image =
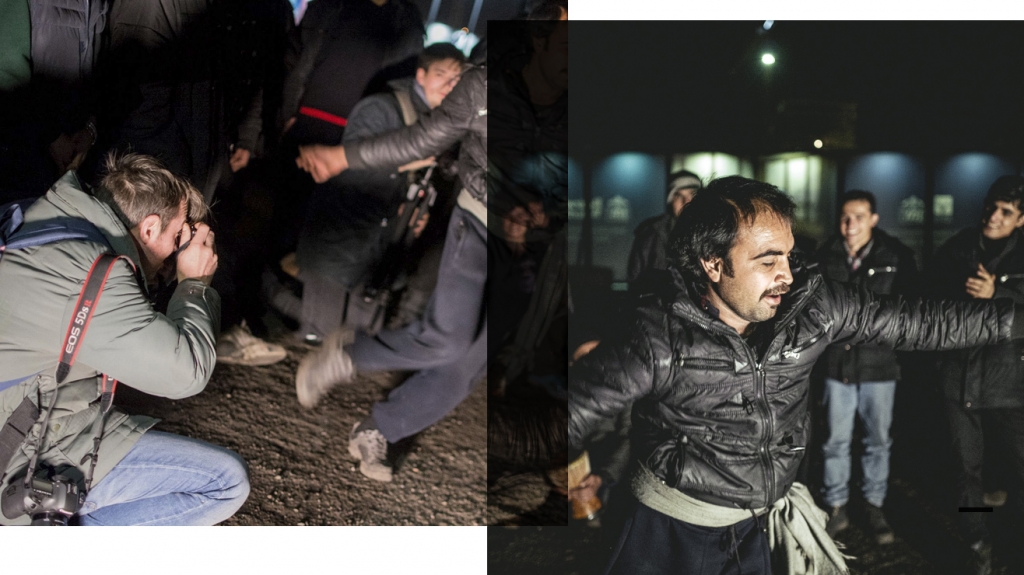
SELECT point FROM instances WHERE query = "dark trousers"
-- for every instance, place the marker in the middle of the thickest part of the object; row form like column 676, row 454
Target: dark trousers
column 969, row 454
column 653, row 543
column 448, row 345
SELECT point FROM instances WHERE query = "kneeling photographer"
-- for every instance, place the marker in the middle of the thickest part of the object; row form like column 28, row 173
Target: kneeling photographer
column 76, row 318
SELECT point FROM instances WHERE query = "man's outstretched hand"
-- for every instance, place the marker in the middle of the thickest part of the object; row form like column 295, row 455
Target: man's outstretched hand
column 322, row 162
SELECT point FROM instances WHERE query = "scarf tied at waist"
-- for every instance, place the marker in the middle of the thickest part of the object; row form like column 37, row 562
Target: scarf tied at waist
column 796, row 526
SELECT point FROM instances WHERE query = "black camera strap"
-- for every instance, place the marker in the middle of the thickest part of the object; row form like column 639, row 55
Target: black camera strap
column 84, row 308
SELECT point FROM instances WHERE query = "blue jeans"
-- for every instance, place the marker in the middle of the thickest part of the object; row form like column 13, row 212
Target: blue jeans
column 448, row 345
column 873, row 402
column 169, row 480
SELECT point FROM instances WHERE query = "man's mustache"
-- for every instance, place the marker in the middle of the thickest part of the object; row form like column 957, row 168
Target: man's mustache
column 784, row 288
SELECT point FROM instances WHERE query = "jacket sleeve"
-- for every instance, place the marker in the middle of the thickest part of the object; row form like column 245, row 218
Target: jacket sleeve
column 915, row 324
column 431, row 135
column 607, row 380
column 169, row 355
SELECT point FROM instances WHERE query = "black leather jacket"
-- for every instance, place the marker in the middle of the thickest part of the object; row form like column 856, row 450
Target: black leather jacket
column 462, row 116
column 991, row 376
column 888, row 268
column 727, row 425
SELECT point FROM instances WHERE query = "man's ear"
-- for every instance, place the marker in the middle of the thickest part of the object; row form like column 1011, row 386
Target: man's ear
column 713, row 268
column 874, row 220
column 1020, row 221
column 149, row 229
column 421, row 76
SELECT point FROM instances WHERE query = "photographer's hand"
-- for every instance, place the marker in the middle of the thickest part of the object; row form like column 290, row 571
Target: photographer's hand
column 199, row 259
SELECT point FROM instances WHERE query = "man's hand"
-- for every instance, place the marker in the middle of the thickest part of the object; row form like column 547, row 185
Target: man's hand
column 417, row 164
column 983, row 286
column 583, row 350
column 240, row 159
column 199, row 259
column 416, row 224
column 322, row 162
column 586, row 490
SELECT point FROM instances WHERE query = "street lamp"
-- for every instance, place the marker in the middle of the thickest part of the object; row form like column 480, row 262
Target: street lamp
column 818, row 144
column 767, row 59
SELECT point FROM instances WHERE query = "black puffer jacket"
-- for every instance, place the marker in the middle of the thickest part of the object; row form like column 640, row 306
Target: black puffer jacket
column 991, row 376
column 462, row 116
column 718, row 422
column 888, row 268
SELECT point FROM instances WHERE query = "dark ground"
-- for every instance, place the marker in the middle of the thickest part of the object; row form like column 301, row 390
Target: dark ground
column 299, row 467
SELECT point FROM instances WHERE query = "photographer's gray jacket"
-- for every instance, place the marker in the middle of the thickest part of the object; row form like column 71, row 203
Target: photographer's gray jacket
column 168, row 355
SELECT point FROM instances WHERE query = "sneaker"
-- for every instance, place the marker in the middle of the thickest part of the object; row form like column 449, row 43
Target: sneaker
column 371, row 449
column 995, row 498
column 878, row 525
column 238, row 346
column 837, row 520
column 324, row 367
column 981, row 558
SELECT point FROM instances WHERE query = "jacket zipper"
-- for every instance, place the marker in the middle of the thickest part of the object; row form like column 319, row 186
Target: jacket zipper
column 704, row 363
column 759, row 382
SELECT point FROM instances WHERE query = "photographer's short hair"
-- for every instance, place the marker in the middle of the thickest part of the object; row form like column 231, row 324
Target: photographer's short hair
column 438, row 52
column 859, row 196
column 136, row 186
column 1008, row 189
column 707, row 228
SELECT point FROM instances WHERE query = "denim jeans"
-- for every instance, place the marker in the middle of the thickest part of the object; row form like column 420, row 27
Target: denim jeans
column 873, row 402
column 448, row 345
column 169, row 480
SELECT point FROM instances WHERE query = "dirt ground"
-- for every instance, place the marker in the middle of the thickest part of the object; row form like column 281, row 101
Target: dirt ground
column 300, row 470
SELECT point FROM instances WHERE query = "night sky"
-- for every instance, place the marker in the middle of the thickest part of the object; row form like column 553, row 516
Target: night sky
column 664, row 87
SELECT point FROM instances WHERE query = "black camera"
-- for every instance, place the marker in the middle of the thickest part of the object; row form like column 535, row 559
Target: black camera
column 47, row 502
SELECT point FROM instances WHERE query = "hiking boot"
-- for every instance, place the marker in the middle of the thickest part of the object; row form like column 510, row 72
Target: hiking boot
column 371, row 448
column 981, row 558
column 238, row 346
column 324, row 367
column 995, row 498
column 837, row 520
column 878, row 525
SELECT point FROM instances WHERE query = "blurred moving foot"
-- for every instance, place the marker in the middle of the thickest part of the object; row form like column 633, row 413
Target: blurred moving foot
column 369, row 446
column 324, row 367
column 238, row 346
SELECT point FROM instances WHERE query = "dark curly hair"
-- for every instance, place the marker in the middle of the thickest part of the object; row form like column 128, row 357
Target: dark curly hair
column 708, row 226
column 1006, row 189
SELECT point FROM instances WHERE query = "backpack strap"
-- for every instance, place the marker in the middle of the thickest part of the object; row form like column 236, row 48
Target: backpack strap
column 409, row 115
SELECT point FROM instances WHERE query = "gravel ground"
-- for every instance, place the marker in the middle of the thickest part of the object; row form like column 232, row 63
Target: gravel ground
column 300, row 470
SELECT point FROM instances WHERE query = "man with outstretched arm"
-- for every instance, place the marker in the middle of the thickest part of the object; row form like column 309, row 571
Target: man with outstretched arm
column 718, row 378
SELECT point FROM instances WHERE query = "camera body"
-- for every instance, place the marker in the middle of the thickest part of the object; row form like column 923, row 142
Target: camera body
column 47, row 502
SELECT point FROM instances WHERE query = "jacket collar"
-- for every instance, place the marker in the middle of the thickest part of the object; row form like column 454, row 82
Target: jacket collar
column 805, row 283
column 69, row 196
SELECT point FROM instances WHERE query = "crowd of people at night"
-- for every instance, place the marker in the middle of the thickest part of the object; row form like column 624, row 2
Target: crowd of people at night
column 191, row 182
column 697, row 407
